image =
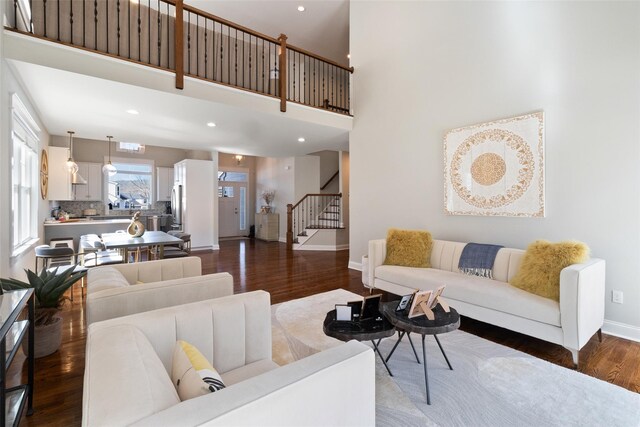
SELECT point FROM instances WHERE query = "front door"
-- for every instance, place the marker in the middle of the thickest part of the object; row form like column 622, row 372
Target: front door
column 232, row 197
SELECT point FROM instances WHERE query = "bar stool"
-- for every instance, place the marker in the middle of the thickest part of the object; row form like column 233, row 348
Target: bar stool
column 62, row 258
column 61, row 242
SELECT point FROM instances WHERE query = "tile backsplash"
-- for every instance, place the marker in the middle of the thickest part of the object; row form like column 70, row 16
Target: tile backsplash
column 75, row 208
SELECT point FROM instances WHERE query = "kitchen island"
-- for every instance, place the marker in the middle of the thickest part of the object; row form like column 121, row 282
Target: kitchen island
column 76, row 228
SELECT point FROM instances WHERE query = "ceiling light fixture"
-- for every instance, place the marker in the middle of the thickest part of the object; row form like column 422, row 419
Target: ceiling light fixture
column 301, row 139
column 109, row 169
column 300, row 8
column 211, row 124
column 134, row 112
column 71, row 165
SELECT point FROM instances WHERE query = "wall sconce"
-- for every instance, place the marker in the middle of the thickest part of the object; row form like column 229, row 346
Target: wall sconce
column 238, row 158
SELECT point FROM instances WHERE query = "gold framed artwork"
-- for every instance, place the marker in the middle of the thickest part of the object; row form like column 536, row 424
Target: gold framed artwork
column 44, row 174
column 496, row 168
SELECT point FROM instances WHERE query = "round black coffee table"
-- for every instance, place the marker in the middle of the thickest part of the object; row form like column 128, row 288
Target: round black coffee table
column 443, row 322
column 364, row 330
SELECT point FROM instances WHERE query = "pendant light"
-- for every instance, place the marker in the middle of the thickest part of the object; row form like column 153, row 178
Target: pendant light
column 109, row 169
column 70, row 165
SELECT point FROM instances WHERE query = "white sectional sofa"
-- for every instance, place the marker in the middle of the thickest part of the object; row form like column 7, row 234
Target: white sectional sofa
column 570, row 323
column 128, row 364
column 123, row 289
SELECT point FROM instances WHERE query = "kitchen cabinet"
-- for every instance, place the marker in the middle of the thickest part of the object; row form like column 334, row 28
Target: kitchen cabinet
column 164, row 184
column 92, row 191
column 267, row 226
column 59, row 178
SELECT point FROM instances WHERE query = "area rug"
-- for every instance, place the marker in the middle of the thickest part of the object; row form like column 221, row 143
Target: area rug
column 491, row 385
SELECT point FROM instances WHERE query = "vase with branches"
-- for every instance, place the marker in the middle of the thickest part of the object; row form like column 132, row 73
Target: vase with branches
column 267, row 196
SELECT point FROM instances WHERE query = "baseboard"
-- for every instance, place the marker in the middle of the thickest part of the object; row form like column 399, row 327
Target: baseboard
column 282, row 239
column 621, row 330
column 332, row 248
column 206, row 248
column 355, row 265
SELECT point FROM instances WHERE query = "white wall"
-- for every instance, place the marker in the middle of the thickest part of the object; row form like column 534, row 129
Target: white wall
column 329, row 165
column 276, row 174
column 345, row 176
column 291, row 178
column 13, row 267
column 307, row 176
column 442, row 65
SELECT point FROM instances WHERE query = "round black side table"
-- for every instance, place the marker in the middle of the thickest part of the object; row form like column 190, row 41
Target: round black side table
column 365, row 330
column 443, row 322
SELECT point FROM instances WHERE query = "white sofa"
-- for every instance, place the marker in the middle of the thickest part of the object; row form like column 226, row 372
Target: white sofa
column 128, row 364
column 570, row 323
column 123, row 289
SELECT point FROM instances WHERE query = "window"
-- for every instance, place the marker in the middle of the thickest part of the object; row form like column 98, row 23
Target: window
column 130, row 147
column 24, row 181
column 233, row 176
column 131, row 187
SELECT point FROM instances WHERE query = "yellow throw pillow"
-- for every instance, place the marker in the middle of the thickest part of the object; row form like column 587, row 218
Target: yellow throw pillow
column 409, row 248
column 543, row 261
column 191, row 372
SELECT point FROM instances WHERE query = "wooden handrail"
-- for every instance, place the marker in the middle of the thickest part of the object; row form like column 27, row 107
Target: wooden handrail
column 316, row 194
column 330, row 179
column 309, row 213
column 321, row 58
column 179, row 45
column 275, row 62
column 230, row 23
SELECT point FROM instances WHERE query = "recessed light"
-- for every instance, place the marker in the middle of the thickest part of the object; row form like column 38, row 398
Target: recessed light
column 211, row 124
column 134, row 112
column 300, row 8
column 301, row 139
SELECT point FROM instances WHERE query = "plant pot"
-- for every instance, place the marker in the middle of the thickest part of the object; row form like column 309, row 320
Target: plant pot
column 265, row 209
column 47, row 339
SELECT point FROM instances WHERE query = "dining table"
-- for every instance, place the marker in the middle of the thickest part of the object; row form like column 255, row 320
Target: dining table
column 124, row 242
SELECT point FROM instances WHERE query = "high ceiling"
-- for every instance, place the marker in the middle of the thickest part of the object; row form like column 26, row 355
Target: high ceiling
column 323, row 27
column 95, row 107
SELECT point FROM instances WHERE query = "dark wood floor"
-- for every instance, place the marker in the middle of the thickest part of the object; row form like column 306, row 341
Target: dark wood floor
column 259, row 265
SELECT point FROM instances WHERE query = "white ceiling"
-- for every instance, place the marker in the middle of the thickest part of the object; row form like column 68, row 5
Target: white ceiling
column 94, row 108
column 323, row 28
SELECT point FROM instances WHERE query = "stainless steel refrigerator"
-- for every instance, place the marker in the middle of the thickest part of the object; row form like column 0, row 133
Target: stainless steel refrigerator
column 177, row 208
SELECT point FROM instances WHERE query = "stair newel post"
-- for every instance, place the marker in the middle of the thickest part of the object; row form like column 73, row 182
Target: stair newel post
column 289, row 227
column 282, row 74
column 178, row 35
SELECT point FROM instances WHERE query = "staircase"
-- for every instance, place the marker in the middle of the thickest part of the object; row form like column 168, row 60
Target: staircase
column 311, row 215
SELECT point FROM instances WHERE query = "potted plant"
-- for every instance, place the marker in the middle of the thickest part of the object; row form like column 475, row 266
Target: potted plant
column 49, row 288
column 267, row 196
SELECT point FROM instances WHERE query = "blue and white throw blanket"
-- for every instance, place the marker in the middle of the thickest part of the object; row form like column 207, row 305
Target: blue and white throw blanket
column 477, row 259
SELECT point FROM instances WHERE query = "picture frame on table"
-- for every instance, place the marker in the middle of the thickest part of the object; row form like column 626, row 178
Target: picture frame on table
column 405, row 302
column 420, row 298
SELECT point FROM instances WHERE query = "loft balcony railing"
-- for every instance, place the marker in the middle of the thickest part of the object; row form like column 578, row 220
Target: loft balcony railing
column 156, row 32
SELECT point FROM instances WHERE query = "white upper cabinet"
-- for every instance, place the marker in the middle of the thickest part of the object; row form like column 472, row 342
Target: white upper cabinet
column 59, row 178
column 92, row 191
column 164, row 184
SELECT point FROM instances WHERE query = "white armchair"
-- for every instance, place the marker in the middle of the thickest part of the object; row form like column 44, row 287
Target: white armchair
column 123, row 289
column 128, row 364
